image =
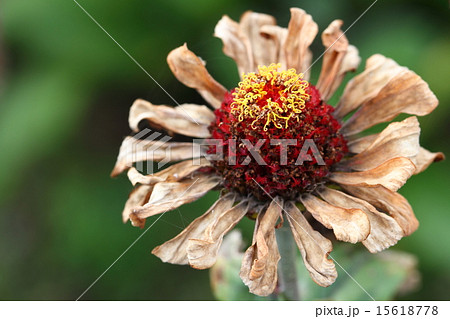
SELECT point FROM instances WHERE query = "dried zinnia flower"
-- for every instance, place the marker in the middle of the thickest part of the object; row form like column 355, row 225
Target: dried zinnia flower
column 329, row 170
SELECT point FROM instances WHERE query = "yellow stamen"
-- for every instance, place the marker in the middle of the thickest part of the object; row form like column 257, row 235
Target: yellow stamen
column 287, row 97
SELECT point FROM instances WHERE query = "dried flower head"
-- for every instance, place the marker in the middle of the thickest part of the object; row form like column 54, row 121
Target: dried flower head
column 285, row 153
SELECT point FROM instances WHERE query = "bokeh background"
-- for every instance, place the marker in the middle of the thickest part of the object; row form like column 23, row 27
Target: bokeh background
column 65, row 92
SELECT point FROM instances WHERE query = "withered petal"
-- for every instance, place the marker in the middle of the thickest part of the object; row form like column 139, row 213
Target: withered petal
column 186, row 119
column 170, row 195
column 202, row 251
column 313, row 247
column 398, row 139
column 378, row 71
column 138, row 197
column 190, row 70
column 173, row 173
column 260, row 262
column 424, row 159
column 174, row 251
column 384, row 230
column 134, row 150
column 392, row 174
column 300, row 34
column 388, row 201
column 339, row 58
column 350, row 225
column 235, row 44
column 406, row 92
column 262, row 49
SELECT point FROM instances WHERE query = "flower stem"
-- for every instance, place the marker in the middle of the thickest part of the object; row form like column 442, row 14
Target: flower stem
column 287, row 268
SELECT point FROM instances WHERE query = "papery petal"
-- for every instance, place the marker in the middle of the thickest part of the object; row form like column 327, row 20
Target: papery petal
column 174, row 251
column 170, row 195
column 190, row 70
column 379, row 70
column 134, row 150
column 384, row 230
column 138, row 197
column 313, row 247
column 424, row 159
column 278, row 36
column 388, row 201
column 399, row 139
column 261, row 48
column 392, row 174
column 202, row 251
column 259, row 265
column 173, row 173
column 235, row 44
column 350, row 225
column 301, row 32
column 338, row 59
column 186, row 119
column 406, row 92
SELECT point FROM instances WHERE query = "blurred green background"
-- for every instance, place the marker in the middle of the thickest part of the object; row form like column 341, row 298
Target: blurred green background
column 65, row 92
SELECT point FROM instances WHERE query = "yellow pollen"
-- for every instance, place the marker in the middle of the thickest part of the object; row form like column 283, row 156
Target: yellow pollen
column 276, row 96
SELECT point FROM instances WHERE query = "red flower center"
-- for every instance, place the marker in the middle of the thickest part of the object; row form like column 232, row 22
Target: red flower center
column 273, row 135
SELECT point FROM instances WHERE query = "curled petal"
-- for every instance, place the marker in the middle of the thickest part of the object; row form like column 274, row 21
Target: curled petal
column 360, row 144
column 278, row 36
column 384, row 230
column 186, row 119
column 173, row 173
column 392, row 174
column 350, row 225
column 235, row 44
column 261, row 48
column 301, row 32
column 135, row 150
column 424, row 159
column 260, row 262
column 138, row 197
column 379, row 70
column 313, row 247
column 339, row 58
column 174, row 251
column 388, row 201
column 190, row 70
column 406, row 92
column 399, row 139
column 202, row 251
column 170, row 195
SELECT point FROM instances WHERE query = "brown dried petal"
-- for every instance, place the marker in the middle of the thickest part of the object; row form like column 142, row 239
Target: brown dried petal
column 202, row 251
column 350, row 225
column 190, row 70
column 134, row 150
column 235, row 44
column 336, row 45
column 349, row 64
column 278, row 36
column 384, row 230
column 138, row 197
column 392, row 174
column 406, row 92
column 301, row 32
column 398, row 139
column 313, row 247
column 424, row 159
column 170, row 195
column 360, row 144
column 388, row 201
column 173, row 173
column 379, row 70
column 186, row 119
column 261, row 48
column 259, row 265
column 174, row 251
